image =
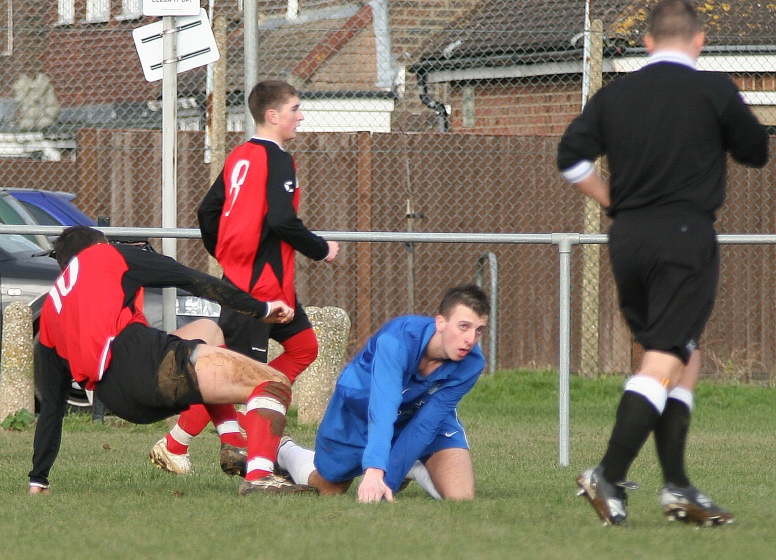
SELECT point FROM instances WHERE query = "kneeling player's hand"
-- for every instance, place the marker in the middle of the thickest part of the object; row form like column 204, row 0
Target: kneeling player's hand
column 279, row 312
column 373, row 487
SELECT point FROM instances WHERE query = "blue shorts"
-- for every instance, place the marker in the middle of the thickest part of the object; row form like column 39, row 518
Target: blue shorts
column 341, row 462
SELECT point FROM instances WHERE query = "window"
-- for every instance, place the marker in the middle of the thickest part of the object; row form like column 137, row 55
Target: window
column 763, row 104
column 131, row 9
column 97, row 11
column 65, row 12
column 6, row 28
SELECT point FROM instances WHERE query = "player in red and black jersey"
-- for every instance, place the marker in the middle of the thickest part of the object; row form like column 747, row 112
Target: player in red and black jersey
column 92, row 329
column 249, row 223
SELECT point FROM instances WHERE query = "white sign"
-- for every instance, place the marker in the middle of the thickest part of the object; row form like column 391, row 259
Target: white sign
column 170, row 7
column 195, row 45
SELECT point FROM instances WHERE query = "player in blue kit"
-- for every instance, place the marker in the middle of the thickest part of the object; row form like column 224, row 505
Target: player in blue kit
column 394, row 408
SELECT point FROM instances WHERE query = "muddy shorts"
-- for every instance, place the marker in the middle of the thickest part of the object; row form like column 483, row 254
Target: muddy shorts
column 150, row 376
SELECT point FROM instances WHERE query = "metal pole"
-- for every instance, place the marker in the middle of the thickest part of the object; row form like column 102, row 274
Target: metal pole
column 565, row 241
column 251, row 55
column 586, row 56
column 493, row 319
column 217, row 118
column 591, row 254
column 169, row 159
column 383, row 48
column 410, row 213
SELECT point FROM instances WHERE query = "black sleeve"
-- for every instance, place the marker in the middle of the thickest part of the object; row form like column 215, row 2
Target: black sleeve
column 52, row 379
column 209, row 214
column 146, row 268
column 282, row 218
column 581, row 141
column 745, row 138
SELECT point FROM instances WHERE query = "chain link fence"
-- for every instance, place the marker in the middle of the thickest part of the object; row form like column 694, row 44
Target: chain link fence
column 420, row 116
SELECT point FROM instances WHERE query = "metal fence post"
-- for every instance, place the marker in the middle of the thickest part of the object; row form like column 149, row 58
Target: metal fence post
column 490, row 257
column 564, row 241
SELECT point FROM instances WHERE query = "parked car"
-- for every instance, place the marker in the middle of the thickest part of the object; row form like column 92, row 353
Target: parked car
column 44, row 207
column 13, row 212
column 26, row 273
column 51, row 208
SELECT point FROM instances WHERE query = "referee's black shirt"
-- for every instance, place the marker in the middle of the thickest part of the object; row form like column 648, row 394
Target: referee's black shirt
column 666, row 129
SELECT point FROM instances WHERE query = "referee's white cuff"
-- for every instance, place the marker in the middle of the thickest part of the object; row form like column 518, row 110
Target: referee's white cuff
column 38, row 485
column 579, row 172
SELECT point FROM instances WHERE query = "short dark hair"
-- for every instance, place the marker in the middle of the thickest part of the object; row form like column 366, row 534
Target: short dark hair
column 674, row 19
column 73, row 240
column 269, row 94
column 469, row 295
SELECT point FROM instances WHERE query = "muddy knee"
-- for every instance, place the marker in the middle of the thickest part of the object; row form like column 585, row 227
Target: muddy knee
column 270, row 400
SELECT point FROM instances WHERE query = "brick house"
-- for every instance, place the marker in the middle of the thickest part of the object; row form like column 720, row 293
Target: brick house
column 503, row 69
column 348, row 58
column 74, row 62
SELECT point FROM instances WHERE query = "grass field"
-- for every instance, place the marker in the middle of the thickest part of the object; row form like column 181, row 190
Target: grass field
column 108, row 501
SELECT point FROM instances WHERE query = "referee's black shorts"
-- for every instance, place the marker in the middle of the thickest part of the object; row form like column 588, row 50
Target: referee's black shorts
column 150, row 376
column 666, row 267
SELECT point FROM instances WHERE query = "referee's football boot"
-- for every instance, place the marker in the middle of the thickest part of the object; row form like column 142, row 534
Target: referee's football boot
column 692, row 506
column 233, row 459
column 608, row 500
column 169, row 461
column 274, row 484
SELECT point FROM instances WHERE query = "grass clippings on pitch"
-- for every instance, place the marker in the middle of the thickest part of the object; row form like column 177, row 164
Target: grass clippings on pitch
column 108, row 501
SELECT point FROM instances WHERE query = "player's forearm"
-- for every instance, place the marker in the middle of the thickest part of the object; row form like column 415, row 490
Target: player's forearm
column 295, row 233
column 596, row 188
column 209, row 287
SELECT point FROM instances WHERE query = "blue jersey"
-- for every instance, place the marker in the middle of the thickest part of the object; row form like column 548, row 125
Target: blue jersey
column 383, row 406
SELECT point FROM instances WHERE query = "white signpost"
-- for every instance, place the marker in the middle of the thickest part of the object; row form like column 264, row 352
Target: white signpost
column 183, row 40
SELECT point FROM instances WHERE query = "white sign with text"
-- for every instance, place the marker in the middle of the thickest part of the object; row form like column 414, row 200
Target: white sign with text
column 163, row 8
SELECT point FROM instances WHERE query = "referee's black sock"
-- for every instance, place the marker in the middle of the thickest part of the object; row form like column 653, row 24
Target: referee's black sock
column 671, row 440
column 636, row 417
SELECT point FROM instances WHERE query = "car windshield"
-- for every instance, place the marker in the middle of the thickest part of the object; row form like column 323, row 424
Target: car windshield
column 18, row 244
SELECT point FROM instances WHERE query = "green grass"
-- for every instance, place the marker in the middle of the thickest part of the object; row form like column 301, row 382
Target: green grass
column 109, row 502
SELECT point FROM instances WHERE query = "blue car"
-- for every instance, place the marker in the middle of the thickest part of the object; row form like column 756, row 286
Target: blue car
column 51, row 208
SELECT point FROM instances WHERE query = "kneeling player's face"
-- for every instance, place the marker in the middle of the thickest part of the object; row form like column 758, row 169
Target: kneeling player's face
column 461, row 332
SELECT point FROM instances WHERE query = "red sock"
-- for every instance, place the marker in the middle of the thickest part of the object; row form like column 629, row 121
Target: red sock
column 299, row 351
column 224, row 418
column 192, row 422
column 264, row 423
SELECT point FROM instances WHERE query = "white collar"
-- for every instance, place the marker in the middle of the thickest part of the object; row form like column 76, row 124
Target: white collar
column 268, row 140
column 674, row 57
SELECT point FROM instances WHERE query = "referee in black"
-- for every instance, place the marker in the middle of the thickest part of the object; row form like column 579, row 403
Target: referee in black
column 666, row 130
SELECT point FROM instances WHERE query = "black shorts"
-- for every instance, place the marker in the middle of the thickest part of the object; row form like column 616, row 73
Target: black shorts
column 666, row 267
column 150, row 376
column 250, row 336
